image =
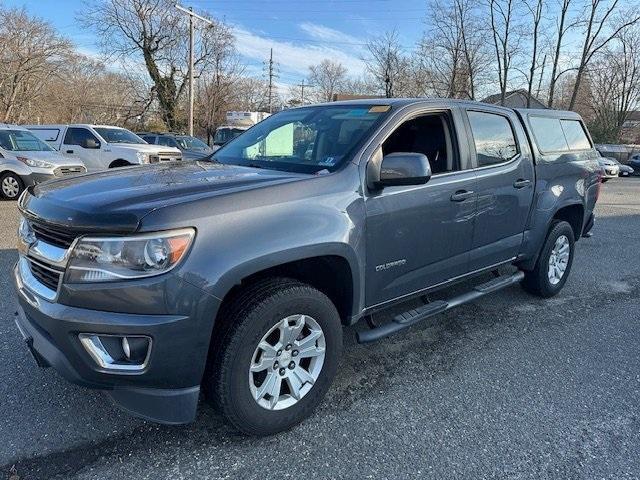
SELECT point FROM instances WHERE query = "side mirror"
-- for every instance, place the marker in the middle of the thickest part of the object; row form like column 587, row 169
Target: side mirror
column 91, row 143
column 403, row 169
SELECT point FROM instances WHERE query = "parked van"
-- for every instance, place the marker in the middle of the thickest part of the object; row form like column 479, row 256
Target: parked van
column 103, row 146
column 26, row 160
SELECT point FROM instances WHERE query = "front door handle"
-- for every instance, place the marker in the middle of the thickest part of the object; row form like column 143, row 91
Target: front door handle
column 69, row 151
column 521, row 183
column 461, row 195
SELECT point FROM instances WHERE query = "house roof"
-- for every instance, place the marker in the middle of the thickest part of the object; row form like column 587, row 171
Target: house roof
column 514, row 98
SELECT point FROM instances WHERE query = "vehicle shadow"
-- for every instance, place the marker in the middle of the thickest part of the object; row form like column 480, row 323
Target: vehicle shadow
column 40, row 402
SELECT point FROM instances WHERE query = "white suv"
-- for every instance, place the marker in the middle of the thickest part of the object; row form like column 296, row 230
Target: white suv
column 102, row 146
column 26, row 160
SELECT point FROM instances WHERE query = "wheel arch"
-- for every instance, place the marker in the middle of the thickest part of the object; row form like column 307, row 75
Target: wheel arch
column 120, row 162
column 332, row 273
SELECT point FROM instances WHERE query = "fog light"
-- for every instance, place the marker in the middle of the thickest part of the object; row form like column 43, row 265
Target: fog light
column 118, row 352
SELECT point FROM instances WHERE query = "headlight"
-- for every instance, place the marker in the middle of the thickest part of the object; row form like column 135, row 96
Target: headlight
column 32, row 162
column 142, row 157
column 96, row 259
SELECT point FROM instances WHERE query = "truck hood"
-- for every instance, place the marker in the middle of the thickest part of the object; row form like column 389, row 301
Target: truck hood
column 115, row 200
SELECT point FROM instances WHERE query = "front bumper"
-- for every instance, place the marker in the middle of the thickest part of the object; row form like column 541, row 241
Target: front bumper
column 166, row 391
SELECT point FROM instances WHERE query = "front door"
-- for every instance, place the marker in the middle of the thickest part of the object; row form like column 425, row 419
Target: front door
column 75, row 146
column 420, row 236
column 505, row 185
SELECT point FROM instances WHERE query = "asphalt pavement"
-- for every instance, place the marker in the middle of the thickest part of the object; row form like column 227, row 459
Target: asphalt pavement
column 510, row 386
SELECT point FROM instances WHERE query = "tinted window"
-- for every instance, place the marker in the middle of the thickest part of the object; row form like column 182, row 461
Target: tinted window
column 548, row 133
column 149, row 138
column 167, row 142
column 575, row 135
column 78, row 136
column 493, row 138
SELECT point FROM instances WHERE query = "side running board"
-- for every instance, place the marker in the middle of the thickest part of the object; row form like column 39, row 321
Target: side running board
column 413, row 316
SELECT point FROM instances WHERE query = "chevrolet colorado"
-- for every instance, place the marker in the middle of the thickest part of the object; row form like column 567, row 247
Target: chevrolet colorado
column 236, row 274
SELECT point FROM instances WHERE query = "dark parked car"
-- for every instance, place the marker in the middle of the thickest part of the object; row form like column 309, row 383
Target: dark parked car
column 236, row 275
column 192, row 148
column 634, row 162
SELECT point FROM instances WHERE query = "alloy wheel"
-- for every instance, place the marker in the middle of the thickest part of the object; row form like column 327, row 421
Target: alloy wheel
column 287, row 362
column 559, row 259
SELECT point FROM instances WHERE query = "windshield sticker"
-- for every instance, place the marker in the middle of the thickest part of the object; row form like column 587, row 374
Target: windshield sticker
column 329, row 161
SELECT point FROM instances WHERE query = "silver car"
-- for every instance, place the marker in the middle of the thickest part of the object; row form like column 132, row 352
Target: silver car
column 26, row 160
column 610, row 168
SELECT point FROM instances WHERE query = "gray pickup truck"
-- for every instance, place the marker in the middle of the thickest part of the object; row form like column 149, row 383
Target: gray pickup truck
column 237, row 274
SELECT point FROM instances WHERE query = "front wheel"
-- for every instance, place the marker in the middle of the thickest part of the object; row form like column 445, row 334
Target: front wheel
column 12, row 185
column 277, row 358
column 554, row 264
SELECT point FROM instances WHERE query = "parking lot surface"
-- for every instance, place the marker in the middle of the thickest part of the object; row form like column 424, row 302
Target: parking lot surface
column 510, row 386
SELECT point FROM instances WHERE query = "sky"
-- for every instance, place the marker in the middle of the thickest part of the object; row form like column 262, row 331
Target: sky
column 301, row 33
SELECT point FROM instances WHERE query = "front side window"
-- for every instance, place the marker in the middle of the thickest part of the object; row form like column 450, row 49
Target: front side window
column 78, row 136
column 427, row 134
column 119, row 135
column 22, row 141
column 493, row 137
column 304, row 140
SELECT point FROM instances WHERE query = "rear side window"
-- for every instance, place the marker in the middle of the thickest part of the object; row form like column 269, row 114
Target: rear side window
column 46, row 134
column 575, row 135
column 548, row 133
column 493, row 137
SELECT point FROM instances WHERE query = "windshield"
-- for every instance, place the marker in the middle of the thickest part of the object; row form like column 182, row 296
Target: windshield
column 118, row 135
column 191, row 143
column 22, row 141
column 304, row 140
column 223, row 135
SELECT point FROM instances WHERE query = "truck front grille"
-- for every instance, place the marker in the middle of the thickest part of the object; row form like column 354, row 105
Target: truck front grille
column 46, row 274
column 165, row 157
column 65, row 171
column 57, row 236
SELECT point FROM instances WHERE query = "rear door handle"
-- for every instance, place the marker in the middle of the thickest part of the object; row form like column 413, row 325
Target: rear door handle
column 521, row 183
column 461, row 195
column 69, row 151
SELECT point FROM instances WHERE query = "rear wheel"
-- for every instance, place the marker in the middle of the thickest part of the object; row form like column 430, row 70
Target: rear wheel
column 277, row 356
column 11, row 185
column 554, row 264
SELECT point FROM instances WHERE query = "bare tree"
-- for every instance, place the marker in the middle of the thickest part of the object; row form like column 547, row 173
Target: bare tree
column 386, row 62
column 153, row 31
column 506, row 39
column 452, row 53
column 565, row 25
column 31, row 53
column 536, row 9
column 328, row 77
column 615, row 85
column 600, row 19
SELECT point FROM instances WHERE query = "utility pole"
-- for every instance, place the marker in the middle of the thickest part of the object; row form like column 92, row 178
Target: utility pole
column 302, row 86
column 192, row 15
column 271, row 76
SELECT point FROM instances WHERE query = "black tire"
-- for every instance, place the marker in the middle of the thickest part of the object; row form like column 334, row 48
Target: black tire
column 16, row 182
column 537, row 280
column 246, row 320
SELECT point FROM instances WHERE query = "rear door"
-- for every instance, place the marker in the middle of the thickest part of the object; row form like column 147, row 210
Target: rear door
column 505, row 179
column 74, row 146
